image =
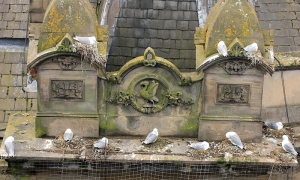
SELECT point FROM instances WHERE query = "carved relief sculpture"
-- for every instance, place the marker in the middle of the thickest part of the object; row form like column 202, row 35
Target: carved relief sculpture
column 66, row 62
column 67, row 89
column 233, row 93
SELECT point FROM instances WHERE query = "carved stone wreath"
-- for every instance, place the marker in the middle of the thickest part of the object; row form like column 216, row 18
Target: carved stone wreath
column 150, row 96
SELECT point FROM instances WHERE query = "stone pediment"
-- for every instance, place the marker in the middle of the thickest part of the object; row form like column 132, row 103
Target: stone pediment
column 238, row 60
column 149, row 60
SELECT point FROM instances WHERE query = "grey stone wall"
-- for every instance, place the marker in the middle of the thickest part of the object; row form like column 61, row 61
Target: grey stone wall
column 12, row 79
column 13, row 19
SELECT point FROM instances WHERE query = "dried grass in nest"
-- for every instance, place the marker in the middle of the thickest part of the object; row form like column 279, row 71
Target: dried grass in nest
column 277, row 134
column 89, row 53
column 75, row 143
column 159, row 144
column 96, row 154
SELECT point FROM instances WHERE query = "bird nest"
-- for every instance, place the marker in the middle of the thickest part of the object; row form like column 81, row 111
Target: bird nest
column 90, row 53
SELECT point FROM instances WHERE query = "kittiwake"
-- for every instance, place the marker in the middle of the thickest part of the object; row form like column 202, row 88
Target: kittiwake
column 274, row 125
column 288, row 146
column 9, row 146
column 199, row 145
column 235, row 139
column 222, row 49
column 102, row 143
column 68, row 135
column 251, row 48
column 85, row 40
column 152, row 137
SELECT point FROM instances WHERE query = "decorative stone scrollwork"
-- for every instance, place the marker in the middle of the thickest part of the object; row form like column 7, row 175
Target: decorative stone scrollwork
column 67, row 89
column 233, row 93
column 235, row 67
column 150, row 96
column 66, row 62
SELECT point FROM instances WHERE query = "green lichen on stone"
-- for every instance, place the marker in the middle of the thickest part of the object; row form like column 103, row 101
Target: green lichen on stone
column 40, row 131
column 108, row 125
column 191, row 127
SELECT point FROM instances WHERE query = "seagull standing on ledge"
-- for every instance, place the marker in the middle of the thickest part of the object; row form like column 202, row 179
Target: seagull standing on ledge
column 288, row 146
column 222, row 49
column 235, row 139
column 68, row 135
column 102, row 143
column 9, row 146
column 85, row 40
column 152, row 137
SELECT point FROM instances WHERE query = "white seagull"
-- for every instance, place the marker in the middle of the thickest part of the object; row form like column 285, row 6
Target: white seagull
column 68, row 135
column 222, row 49
column 274, row 125
column 85, row 40
column 235, row 139
column 199, row 145
column 251, row 48
column 9, row 146
column 152, row 137
column 102, row 143
column 287, row 145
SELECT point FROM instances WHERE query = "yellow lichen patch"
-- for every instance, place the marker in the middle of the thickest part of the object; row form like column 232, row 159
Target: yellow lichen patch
column 228, row 32
column 54, row 18
column 245, row 29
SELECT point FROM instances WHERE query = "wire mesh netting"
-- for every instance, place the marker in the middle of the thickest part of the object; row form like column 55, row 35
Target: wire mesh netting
column 92, row 170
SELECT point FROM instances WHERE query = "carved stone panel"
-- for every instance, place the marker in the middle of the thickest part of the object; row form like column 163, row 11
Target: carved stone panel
column 67, row 89
column 233, row 93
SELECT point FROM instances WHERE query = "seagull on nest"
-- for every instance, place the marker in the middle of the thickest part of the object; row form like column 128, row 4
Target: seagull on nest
column 68, row 135
column 9, row 146
column 102, row 143
column 288, row 146
column 199, row 145
column 274, row 125
column 235, row 139
column 222, row 49
column 251, row 48
column 85, row 40
column 152, row 137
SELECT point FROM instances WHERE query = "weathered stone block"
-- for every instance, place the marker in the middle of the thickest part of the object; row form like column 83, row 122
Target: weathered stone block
column 2, row 116
column 169, row 24
column 216, row 130
column 9, row 16
column 11, row 80
column 54, row 126
column 7, row 33
column 172, row 5
column 4, row 8
column 18, row 69
column 21, row 17
column 14, row 92
column 12, row 57
column 13, row 25
column 16, row 8
column 182, row 25
column 3, row 92
column 2, row 56
column 5, row 68
column 21, row 104
column 158, row 4
column 7, row 104
column 19, row 34
column 3, row 24
column 24, row 1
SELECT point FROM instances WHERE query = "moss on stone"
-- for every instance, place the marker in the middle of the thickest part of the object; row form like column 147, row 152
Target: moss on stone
column 40, row 131
column 191, row 127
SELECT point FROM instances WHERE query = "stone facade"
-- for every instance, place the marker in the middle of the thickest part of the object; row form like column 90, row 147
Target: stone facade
column 281, row 16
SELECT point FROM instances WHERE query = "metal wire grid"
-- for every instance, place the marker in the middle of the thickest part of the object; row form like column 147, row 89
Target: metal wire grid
column 93, row 170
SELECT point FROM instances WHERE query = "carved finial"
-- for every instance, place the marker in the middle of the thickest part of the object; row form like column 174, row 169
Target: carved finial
column 149, row 57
